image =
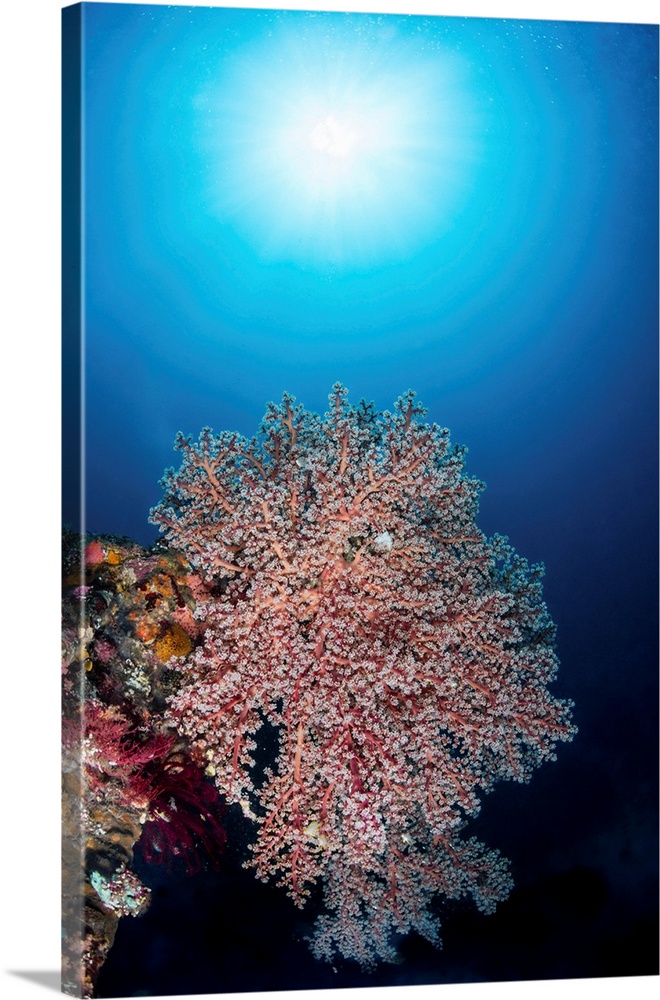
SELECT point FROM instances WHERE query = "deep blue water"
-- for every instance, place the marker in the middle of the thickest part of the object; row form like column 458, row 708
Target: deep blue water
column 475, row 217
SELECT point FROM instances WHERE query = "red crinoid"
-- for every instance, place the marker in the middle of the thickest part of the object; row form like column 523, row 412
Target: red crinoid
column 114, row 749
column 405, row 658
column 149, row 771
column 183, row 819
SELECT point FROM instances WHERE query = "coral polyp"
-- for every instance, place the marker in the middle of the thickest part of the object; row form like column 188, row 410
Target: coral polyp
column 349, row 598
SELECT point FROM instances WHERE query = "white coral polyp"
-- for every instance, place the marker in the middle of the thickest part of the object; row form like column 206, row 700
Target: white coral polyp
column 383, row 542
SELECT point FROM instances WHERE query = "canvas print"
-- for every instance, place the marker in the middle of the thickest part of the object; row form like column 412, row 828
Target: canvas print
column 359, row 681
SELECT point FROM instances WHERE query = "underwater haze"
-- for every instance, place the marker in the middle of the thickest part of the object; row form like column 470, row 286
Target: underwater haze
column 277, row 201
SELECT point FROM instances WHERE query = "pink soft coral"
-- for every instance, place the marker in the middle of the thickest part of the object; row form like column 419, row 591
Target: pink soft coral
column 353, row 602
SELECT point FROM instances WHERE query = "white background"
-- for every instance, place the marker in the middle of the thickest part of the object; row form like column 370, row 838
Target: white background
column 29, row 485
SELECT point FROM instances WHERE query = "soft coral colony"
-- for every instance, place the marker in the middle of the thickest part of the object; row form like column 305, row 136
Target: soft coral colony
column 346, row 596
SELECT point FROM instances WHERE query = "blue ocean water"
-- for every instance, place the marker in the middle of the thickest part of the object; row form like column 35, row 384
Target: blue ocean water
column 466, row 207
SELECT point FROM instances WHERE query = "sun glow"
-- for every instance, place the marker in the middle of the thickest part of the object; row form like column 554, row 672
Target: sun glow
column 332, row 138
column 337, row 149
